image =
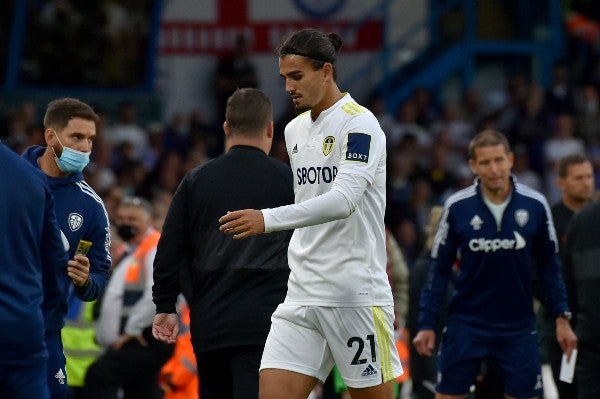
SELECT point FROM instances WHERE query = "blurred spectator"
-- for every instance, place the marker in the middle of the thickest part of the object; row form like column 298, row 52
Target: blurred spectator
column 508, row 116
column 424, row 108
column 587, row 118
column 562, row 143
column 521, row 169
column 463, row 178
column 161, row 201
column 421, row 201
column 560, row 96
column 133, row 357
column 533, row 127
column 408, row 235
column 376, row 104
column 439, row 170
column 201, row 133
column 177, row 134
column 458, row 129
column 234, row 70
column 128, row 130
column 406, row 124
column 24, row 117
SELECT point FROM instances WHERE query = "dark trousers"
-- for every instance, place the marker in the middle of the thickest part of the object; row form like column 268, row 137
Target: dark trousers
column 57, row 373
column 229, row 373
column 18, row 382
column 587, row 368
column 133, row 367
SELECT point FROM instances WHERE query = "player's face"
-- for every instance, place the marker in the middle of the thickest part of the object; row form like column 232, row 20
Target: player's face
column 303, row 83
column 493, row 165
column 578, row 184
column 79, row 134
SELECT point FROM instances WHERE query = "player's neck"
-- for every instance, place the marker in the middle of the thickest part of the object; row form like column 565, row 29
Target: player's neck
column 573, row 204
column 497, row 196
column 332, row 96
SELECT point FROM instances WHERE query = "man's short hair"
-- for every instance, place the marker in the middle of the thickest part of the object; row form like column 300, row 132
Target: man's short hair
column 487, row 138
column 59, row 112
column 562, row 166
column 248, row 111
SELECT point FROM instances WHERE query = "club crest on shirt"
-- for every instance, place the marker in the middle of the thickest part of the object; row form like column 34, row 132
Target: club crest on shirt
column 521, row 217
column 75, row 221
column 476, row 222
column 328, row 143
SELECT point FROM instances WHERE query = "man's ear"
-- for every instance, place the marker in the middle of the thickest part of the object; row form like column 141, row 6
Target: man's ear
column 270, row 130
column 49, row 136
column 226, row 129
column 328, row 70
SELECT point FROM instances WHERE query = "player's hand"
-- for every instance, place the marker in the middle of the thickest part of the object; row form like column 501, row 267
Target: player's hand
column 78, row 269
column 243, row 224
column 424, row 342
column 166, row 327
column 565, row 336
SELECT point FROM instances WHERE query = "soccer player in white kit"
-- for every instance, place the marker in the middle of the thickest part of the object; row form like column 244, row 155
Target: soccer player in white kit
column 339, row 305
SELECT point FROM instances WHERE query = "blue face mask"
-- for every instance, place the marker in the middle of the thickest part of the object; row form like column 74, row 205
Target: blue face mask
column 71, row 160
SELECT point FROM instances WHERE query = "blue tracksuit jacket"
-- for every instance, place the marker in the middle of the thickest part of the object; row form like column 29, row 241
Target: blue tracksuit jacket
column 31, row 249
column 493, row 283
column 81, row 216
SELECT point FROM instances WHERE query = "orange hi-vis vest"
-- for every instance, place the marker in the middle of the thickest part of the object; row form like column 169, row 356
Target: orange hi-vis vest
column 135, row 275
column 179, row 376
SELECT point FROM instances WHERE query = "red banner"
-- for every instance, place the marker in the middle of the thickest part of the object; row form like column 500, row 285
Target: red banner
column 196, row 38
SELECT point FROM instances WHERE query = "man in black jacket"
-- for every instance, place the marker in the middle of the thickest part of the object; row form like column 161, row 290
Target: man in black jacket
column 582, row 250
column 575, row 179
column 234, row 286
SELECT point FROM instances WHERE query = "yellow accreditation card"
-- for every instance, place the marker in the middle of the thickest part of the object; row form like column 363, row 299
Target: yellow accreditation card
column 83, row 247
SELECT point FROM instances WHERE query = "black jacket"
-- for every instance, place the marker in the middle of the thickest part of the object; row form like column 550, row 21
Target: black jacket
column 581, row 263
column 232, row 286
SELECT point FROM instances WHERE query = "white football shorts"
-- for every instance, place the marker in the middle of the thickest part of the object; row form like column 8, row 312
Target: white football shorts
column 311, row 339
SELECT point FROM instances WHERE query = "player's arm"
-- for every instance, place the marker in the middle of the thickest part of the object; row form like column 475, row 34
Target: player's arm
column 54, row 257
column 549, row 265
column 443, row 256
column 173, row 250
column 555, row 292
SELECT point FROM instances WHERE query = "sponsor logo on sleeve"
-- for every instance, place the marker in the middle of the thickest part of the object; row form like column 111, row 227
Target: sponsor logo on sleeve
column 359, row 145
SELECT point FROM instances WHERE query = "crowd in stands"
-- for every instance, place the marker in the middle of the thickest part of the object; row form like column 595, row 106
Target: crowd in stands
column 426, row 144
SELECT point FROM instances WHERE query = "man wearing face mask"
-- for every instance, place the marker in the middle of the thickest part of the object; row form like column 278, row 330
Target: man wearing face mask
column 133, row 357
column 69, row 131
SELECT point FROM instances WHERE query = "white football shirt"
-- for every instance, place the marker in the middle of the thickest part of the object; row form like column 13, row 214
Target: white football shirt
column 341, row 262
